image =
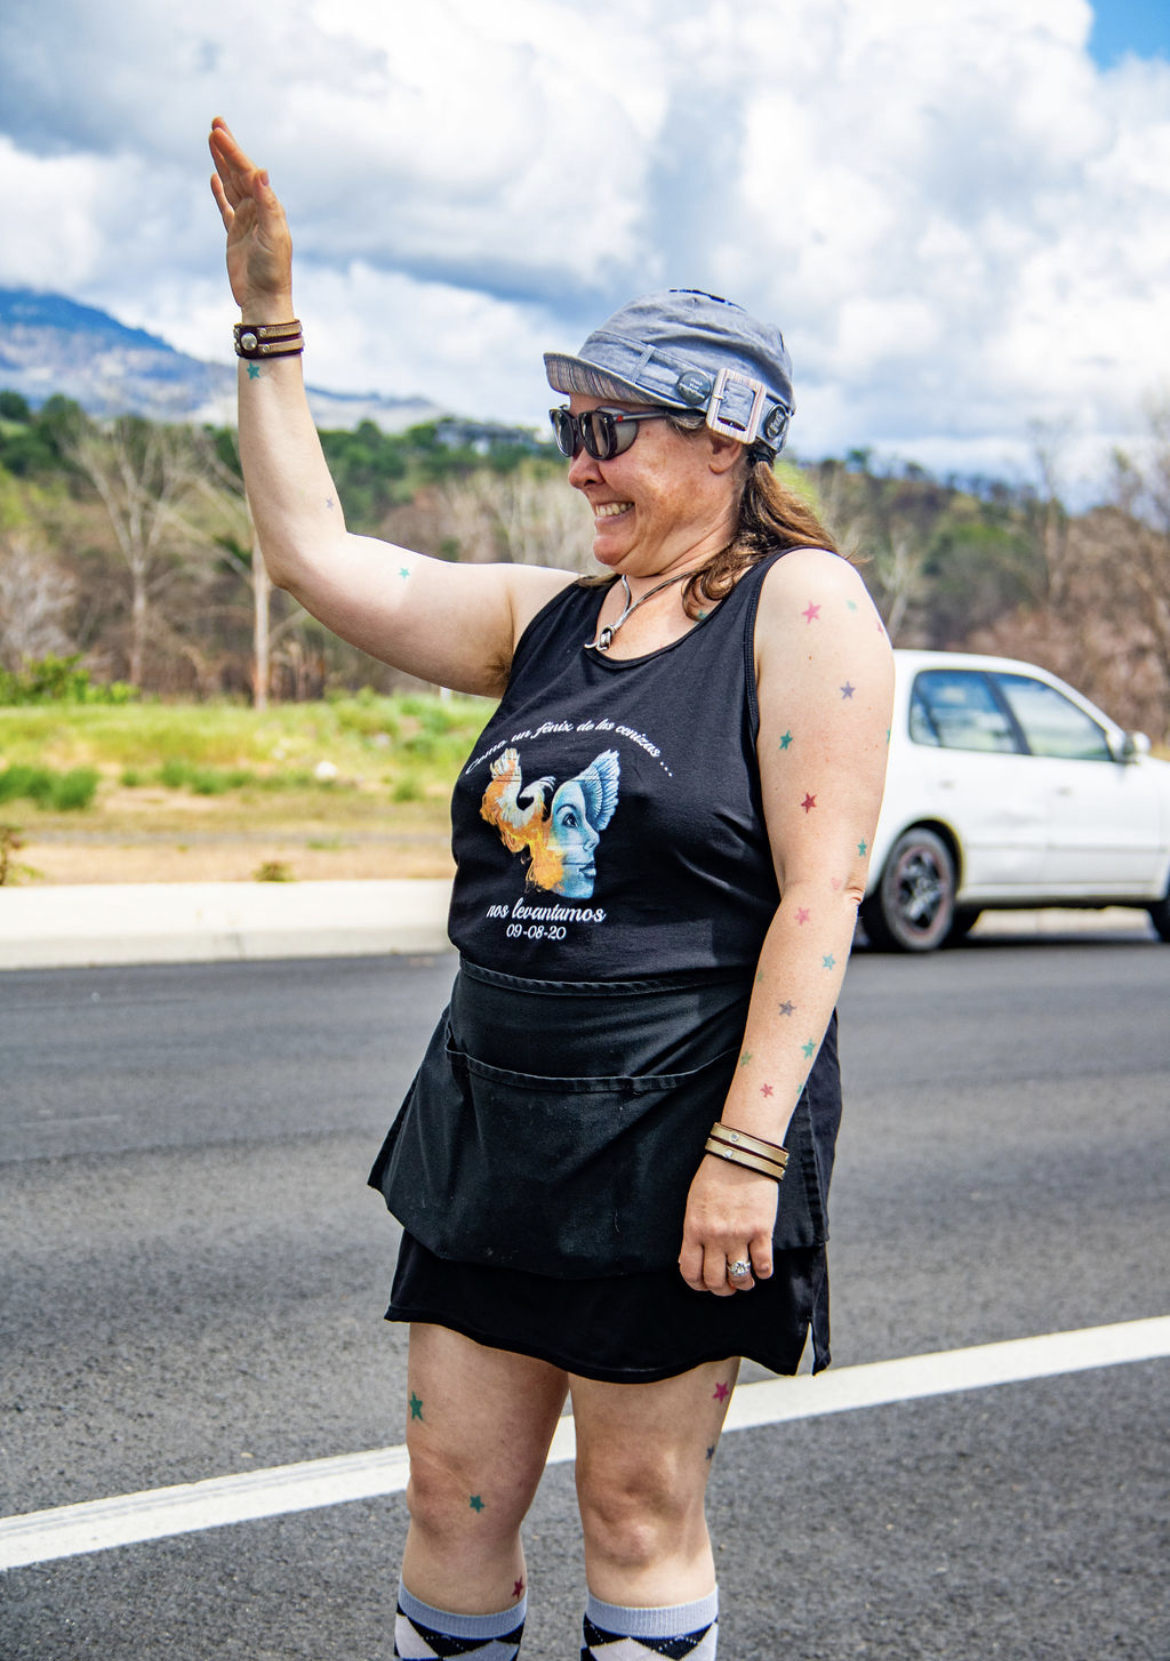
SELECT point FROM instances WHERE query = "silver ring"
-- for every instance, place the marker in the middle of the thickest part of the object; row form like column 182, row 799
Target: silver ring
column 738, row 1269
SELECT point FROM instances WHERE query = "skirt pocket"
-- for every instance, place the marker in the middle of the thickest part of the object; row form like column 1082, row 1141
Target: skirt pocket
column 563, row 1176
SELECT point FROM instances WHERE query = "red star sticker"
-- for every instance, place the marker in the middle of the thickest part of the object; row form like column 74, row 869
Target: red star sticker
column 811, row 613
column 802, row 915
column 809, row 802
column 517, row 1588
column 721, row 1392
column 765, row 1089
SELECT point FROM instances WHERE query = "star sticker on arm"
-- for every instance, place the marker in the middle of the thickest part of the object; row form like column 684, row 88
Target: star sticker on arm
column 415, row 1406
column 765, row 1089
column 745, row 1058
column 829, row 961
column 862, row 847
column 518, row 1587
column 721, row 1392
column 786, row 741
column 811, row 613
column 809, row 802
column 787, row 1008
column 253, row 371
column 808, row 1048
column 476, row 1503
column 847, row 691
column 802, row 915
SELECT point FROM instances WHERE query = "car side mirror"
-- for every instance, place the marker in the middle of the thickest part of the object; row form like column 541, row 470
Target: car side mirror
column 1133, row 745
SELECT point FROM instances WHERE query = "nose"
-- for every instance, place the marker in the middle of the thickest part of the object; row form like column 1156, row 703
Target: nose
column 583, row 470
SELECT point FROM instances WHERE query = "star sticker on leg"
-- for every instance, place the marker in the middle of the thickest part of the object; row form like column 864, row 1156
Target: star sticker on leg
column 721, row 1392
column 415, row 1406
column 829, row 961
column 518, row 1587
column 711, row 1451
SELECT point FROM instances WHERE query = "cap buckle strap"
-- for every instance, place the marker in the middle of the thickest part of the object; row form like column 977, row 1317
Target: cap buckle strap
column 745, row 431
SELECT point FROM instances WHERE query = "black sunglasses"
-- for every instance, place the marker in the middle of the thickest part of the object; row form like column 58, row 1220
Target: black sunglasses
column 604, row 433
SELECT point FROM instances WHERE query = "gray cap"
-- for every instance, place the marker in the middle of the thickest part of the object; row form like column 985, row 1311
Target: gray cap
column 688, row 350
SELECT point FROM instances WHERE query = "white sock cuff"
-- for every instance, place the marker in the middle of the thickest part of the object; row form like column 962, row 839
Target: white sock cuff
column 482, row 1627
column 669, row 1622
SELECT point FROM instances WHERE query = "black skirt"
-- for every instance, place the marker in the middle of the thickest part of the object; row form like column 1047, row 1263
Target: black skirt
column 565, row 1293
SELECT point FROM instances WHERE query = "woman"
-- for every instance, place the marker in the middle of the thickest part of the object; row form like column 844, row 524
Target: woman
column 661, row 842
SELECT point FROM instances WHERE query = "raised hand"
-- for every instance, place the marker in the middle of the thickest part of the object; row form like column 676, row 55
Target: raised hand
column 259, row 247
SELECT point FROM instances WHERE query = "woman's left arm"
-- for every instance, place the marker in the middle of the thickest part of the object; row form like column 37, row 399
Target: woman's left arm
column 825, row 675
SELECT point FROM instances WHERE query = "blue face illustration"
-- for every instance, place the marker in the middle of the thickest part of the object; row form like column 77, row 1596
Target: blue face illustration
column 573, row 840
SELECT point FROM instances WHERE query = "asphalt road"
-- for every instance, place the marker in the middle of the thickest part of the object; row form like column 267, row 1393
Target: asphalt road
column 193, row 1273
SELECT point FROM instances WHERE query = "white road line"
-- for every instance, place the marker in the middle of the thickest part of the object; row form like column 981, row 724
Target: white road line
column 129, row 1519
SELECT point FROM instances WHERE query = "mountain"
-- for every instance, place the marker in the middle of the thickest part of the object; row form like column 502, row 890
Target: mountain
column 49, row 343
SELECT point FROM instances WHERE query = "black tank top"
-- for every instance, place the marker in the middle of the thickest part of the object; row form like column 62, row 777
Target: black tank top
column 609, row 824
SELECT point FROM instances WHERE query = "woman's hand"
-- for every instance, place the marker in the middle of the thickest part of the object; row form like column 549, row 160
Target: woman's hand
column 259, row 247
column 730, row 1217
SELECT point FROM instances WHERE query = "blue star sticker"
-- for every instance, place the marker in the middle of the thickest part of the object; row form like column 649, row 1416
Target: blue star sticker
column 786, row 741
column 253, row 371
column 847, row 691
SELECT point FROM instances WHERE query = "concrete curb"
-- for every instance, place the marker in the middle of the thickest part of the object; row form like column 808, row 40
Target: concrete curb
column 85, row 926
column 215, row 922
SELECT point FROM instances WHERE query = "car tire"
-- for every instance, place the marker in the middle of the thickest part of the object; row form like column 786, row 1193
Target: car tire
column 912, row 908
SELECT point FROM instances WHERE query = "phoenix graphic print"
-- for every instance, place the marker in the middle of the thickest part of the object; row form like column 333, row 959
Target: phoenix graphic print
column 558, row 827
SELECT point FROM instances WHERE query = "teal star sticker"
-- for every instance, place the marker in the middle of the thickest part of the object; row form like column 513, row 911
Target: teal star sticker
column 745, row 1058
column 702, row 617
column 786, row 741
column 404, row 570
column 862, row 847
column 476, row 1503
column 808, row 1048
column 253, row 371
column 829, row 961
column 415, row 1406
column 852, row 604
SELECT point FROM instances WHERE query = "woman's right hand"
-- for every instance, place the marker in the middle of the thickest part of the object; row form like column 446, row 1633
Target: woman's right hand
column 259, row 247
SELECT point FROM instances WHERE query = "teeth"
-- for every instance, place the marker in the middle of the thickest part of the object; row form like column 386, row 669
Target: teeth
column 606, row 510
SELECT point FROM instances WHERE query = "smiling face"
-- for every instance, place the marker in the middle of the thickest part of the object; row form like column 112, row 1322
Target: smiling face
column 668, row 500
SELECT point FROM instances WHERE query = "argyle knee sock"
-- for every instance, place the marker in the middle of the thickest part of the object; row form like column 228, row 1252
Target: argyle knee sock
column 420, row 1631
column 684, row 1632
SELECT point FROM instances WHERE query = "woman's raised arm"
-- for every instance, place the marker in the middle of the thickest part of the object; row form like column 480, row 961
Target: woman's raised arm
column 456, row 625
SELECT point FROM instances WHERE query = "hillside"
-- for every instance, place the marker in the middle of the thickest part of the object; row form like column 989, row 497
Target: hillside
column 50, row 343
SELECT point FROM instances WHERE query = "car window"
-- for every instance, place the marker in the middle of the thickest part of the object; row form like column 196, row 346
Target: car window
column 1052, row 723
column 957, row 709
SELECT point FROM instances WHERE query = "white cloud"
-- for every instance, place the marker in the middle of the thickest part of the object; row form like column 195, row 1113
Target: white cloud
column 961, row 222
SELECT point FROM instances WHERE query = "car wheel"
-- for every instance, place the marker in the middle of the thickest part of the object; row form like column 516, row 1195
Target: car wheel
column 913, row 907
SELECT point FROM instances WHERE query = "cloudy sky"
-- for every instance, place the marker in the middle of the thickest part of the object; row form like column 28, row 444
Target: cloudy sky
column 957, row 210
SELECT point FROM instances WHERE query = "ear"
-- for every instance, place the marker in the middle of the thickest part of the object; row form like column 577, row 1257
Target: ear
column 725, row 453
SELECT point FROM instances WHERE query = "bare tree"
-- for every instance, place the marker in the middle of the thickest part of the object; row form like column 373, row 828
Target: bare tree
column 36, row 597
column 526, row 517
column 145, row 475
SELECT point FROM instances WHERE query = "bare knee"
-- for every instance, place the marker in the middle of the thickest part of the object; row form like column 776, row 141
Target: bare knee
column 636, row 1511
column 452, row 1500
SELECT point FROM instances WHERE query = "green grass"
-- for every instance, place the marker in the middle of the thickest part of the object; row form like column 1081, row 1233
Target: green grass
column 125, row 764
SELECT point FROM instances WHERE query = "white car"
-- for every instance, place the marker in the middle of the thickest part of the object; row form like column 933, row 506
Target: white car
column 1007, row 788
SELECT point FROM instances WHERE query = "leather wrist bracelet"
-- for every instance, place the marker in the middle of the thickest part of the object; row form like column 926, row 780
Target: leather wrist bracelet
column 749, row 1161
column 268, row 340
column 746, row 1143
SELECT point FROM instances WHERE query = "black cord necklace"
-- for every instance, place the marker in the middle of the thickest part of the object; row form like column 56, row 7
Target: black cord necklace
column 605, row 636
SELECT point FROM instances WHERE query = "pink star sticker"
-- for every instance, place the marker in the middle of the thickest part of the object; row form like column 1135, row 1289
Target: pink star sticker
column 811, row 613
column 802, row 916
column 809, row 802
column 721, row 1392
column 517, row 1588
column 765, row 1089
